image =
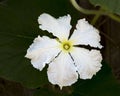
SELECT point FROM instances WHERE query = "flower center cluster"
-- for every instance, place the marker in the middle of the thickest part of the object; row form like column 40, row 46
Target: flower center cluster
column 66, row 46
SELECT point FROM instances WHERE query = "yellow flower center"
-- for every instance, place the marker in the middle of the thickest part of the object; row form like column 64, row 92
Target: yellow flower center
column 66, row 46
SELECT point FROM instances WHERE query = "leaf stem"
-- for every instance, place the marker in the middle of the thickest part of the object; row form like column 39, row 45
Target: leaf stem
column 114, row 17
column 96, row 17
column 86, row 11
column 95, row 12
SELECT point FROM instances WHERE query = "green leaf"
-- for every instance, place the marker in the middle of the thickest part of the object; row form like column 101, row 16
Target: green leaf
column 103, row 84
column 18, row 28
column 109, row 5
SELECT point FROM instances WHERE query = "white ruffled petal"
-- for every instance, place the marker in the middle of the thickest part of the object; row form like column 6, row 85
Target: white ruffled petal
column 42, row 51
column 59, row 27
column 62, row 71
column 87, row 62
column 86, row 34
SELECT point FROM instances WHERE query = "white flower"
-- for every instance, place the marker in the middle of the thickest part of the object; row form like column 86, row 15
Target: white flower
column 66, row 61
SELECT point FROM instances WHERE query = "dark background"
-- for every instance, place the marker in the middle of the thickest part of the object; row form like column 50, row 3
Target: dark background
column 110, row 33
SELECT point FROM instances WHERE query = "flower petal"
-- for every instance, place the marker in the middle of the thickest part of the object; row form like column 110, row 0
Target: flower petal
column 87, row 62
column 86, row 34
column 42, row 51
column 59, row 27
column 62, row 71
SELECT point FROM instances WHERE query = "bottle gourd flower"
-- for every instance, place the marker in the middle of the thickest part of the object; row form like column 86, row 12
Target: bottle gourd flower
column 66, row 61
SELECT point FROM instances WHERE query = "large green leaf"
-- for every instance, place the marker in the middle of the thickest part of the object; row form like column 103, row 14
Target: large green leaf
column 110, row 5
column 18, row 28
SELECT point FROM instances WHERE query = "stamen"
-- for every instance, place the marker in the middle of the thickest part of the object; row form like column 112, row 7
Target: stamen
column 66, row 46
